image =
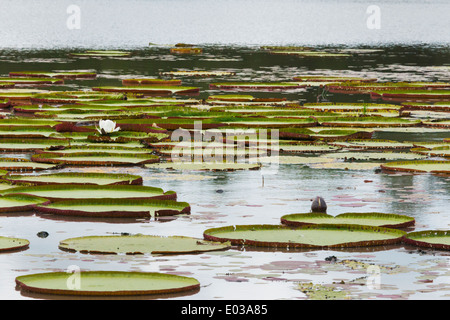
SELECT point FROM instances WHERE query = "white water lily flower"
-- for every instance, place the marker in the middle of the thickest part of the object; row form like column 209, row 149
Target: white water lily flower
column 107, row 126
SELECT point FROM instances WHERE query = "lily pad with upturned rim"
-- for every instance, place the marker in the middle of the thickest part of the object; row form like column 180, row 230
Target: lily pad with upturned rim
column 310, row 236
column 115, row 208
column 75, row 178
column 107, row 283
column 19, row 202
column 23, row 165
column 435, row 239
column 370, row 219
column 204, row 166
column 29, row 145
column 61, row 192
column 419, row 166
column 13, row 244
column 96, row 159
column 61, row 74
column 139, row 244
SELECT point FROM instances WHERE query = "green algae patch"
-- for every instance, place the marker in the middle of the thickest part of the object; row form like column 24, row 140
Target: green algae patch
column 369, row 219
column 139, row 244
column 115, row 208
column 434, row 239
column 309, row 236
column 75, row 178
column 322, row 292
column 13, row 244
column 106, row 283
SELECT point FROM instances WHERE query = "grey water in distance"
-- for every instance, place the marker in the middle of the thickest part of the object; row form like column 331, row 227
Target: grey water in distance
column 136, row 23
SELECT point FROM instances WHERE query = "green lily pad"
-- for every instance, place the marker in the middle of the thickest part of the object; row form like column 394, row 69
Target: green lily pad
column 74, row 178
column 302, row 53
column 59, row 192
column 150, row 90
column 309, row 236
column 115, row 208
column 106, row 283
column 29, row 145
column 19, row 202
column 12, row 244
column 370, row 156
column 95, row 159
column 372, row 144
column 23, row 165
column 369, row 219
column 33, row 81
column 101, row 53
column 204, row 166
column 150, row 82
column 419, row 166
column 139, row 244
column 435, row 239
column 256, row 85
column 61, row 75
column 197, row 73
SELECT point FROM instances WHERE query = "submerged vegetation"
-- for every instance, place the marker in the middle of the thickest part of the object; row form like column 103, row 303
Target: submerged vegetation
column 62, row 132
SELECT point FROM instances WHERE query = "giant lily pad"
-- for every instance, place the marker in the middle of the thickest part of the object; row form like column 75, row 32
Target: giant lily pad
column 29, row 145
column 309, row 236
column 115, row 208
column 75, row 178
column 139, row 244
column 435, row 239
column 61, row 74
column 256, row 85
column 23, row 165
column 101, row 53
column 106, row 283
column 371, row 156
column 59, row 192
column 419, row 166
column 150, row 90
column 204, row 166
column 32, row 81
column 96, row 159
column 19, row 202
column 12, row 244
column 150, row 82
column 369, row 219
column 372, row 144
column 197, row 73
column 414, row 95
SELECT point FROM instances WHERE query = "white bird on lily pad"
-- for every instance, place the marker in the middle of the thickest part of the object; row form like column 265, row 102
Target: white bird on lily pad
column 107, row 127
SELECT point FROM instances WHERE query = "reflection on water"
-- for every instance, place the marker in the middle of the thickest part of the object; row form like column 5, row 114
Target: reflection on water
column 232, row 198
column 118, row 23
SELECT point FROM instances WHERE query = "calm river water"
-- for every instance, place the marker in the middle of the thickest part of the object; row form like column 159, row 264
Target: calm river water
column 413, row 40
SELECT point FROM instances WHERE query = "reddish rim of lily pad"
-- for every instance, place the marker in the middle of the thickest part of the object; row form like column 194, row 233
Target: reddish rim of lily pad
column 407, row 221
column 187, row 284
column 184, row 208
column 419, row 238
column 209, row 235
